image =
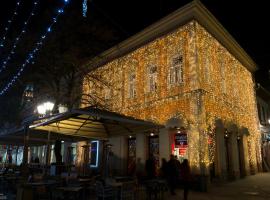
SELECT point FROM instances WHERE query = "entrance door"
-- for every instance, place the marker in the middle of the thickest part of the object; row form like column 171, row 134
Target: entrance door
column 241, row 156
column 131, row 156
column 227, row 154
column 154, row 148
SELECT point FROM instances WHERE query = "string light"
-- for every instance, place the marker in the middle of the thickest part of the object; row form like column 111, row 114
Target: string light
column 84, row 7
column 198, row 101
column 31, row 55
column 9, row 22
column 17, row 39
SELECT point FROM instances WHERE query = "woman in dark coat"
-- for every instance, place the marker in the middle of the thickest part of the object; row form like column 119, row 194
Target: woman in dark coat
column 186, row 177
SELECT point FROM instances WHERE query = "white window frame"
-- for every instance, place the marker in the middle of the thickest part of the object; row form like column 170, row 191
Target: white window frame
column 176, row 73
column 107, row 93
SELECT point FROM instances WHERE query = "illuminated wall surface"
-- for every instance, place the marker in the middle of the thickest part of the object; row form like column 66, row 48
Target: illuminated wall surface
column 215, row 86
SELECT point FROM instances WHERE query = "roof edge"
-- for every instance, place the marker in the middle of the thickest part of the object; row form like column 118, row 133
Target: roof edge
column 191, row 11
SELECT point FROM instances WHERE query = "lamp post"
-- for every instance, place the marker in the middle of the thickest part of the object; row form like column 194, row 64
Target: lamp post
column 45, row 108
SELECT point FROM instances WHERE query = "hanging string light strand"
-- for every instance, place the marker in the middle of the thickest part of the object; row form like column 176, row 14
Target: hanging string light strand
column 84, row 8
column 9, row 22
column 18, row 38
column 31, row 55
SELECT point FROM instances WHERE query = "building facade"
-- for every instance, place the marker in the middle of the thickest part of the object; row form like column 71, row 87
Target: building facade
column 187, row 73
column 263, row 106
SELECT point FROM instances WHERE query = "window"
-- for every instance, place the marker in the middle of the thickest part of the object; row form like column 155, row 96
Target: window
column 152, row 78
column 176, row 70
column 131, row 156
column 132, row 86
column 107, row 93
column 94, row 153
column 154, row 148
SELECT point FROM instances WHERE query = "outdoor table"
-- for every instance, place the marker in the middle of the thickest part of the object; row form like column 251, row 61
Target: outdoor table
column 156, row 187
column 117, row 184
column 84, row 182
column 3, row 197
column 72, row 192
column 47, row 184
column 123, row 178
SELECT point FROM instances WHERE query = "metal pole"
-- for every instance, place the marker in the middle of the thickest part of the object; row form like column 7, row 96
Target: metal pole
column 25, row 150
column 26, row 145
column 16, row 158
column 48, row 151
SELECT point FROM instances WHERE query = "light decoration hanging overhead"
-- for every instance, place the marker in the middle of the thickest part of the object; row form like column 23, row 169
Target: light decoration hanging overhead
column 199, row 101
column 84, row 8
column 9, row 22
column 17, row 39
column 31, row 55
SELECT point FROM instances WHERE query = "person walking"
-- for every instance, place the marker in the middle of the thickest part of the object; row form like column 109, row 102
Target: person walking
column 186, row 177
column 150, row 167
column 164, row 168
column 172, row 174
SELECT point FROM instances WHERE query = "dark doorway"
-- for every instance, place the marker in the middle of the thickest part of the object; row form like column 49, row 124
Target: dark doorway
column 131, row 167
column 240, row 156
column 227, row 153
column 153, row 145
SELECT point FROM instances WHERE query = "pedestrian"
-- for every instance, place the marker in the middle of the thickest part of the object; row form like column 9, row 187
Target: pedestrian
column 164, row 168
column 172, row 174
column 150, row 167
column 186, row 177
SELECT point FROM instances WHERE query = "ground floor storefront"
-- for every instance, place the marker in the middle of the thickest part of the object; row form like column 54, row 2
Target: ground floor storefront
column 223, row 153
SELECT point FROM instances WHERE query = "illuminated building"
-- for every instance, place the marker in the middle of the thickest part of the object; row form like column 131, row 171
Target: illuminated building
column 187, row 73
column 263, row 106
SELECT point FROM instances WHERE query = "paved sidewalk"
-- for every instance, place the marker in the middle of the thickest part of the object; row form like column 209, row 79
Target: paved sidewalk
column 256, row 187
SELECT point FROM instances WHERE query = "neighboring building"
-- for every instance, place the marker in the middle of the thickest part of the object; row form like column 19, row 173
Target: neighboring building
column 27, row 102
column 188, row 73
column 263, row 106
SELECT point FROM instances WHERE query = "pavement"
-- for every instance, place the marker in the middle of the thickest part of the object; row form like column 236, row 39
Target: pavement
column 255, row 187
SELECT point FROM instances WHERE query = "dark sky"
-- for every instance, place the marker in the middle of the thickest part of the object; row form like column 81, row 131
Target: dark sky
column 247, row 21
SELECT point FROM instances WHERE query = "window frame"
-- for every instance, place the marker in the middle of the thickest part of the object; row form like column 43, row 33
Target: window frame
column 152, row 79
column 176, row 70
column 132, row 85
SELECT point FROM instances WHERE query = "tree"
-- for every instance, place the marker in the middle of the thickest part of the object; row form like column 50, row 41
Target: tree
column 57, row 73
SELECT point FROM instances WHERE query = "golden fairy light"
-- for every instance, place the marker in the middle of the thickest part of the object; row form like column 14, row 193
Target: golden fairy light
column 215, row 86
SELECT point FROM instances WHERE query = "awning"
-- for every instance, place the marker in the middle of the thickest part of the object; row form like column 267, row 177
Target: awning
column 94, row 123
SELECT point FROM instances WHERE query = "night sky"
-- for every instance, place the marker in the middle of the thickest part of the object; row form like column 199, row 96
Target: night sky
column 246, row 21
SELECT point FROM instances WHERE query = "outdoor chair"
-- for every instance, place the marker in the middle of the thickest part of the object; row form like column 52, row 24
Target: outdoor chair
column 105, row 192
column 156, row 188
column 24, row 193
column 128, row 190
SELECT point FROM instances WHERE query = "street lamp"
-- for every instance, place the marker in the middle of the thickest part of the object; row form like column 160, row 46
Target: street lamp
column 45, row 108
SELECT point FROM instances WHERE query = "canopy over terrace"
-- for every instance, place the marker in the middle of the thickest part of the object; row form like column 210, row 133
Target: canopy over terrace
column 93, row 123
